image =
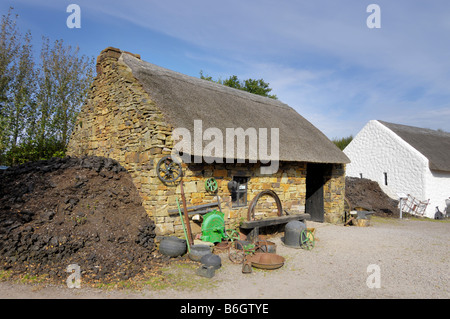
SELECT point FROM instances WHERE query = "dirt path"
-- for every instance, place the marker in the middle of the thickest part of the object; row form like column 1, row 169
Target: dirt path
column 412, row 258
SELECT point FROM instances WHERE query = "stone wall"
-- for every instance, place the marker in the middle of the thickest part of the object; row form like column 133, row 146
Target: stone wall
column 334, row 194
column 122, row 122
column 288, row 183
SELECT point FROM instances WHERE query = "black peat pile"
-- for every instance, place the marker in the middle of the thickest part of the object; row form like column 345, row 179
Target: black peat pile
column 367, row 194
column 83, row 211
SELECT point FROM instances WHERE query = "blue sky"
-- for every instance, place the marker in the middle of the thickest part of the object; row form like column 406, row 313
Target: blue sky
column 318, row 56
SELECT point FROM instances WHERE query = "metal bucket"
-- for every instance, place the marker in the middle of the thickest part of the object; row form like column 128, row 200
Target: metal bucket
column 292, row 232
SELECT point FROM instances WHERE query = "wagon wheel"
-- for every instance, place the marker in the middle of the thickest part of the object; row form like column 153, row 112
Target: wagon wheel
column 307, row 240
column 168, row 170
column 237, row 256
column 211, row 185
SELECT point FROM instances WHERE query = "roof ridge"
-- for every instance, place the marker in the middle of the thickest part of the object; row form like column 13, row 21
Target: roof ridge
column 213, row 86
column 417, row 128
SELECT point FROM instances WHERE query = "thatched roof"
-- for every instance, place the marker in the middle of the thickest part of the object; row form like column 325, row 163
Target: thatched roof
column 183, row 99
column 434, row 145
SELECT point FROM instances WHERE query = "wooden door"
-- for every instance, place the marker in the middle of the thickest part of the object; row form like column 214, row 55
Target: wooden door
column 315, row 180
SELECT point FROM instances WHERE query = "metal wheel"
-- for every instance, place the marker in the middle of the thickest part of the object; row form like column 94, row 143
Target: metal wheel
column 231, row 234
column 237, row 256
column 211, row 185
column 168, row 170
column 307, row 240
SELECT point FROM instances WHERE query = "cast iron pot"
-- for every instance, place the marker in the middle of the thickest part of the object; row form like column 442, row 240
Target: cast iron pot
column 211, row 260
column 198, row 251
column 172, row 246
column 292, row 232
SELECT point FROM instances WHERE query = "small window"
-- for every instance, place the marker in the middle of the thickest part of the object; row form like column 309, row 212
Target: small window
column 385, row 179
column 239, row 194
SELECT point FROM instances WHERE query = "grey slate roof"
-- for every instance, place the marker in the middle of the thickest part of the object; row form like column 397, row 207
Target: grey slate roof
column 434, row 145
column 183, row 99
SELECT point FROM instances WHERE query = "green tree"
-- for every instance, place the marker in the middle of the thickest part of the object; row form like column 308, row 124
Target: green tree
column 17, row 86
column 342, row 142
column 258, row 87
column 23, row 88
column 233, row 82
column 39, row 103
column 64, row 81
column 250, row 85
column 9, row 46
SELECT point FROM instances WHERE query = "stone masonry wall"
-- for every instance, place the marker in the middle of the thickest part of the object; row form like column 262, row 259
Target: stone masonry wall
column 120, row 121
column 289, row 183
column 334, row 194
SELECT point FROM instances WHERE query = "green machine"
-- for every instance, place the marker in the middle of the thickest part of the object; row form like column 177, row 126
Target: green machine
column 213, row 227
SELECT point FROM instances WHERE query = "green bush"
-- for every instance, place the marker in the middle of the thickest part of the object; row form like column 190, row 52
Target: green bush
column 342, row 142
column 30, row 152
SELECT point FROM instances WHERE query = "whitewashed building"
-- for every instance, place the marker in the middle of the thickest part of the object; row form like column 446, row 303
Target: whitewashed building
column 403, row 159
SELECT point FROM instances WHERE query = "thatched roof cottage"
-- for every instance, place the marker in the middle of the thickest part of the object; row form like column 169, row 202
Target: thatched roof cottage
column 134, row 108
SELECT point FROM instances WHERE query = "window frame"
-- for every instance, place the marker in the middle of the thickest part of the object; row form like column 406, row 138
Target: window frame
column 239, row 196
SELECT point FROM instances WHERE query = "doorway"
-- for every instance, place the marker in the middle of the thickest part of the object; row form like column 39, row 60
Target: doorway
column 315, row 181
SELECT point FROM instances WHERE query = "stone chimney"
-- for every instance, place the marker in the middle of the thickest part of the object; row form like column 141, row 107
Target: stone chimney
column 110, row 54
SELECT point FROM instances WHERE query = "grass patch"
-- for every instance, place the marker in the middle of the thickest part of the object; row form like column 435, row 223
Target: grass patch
column 5, row 275
column 181, row 276
column 178, row 276
column 383, row 220
column 424, row 219
column 33, row 279
column 405, row 217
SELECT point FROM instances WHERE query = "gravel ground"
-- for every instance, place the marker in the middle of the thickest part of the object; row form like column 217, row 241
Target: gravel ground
column 412, row 256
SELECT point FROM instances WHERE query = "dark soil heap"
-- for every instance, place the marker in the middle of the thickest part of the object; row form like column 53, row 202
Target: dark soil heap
column 83, row 211
column 367, row 194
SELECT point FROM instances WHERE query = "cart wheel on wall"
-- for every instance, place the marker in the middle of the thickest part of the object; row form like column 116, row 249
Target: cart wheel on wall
column 168, row 170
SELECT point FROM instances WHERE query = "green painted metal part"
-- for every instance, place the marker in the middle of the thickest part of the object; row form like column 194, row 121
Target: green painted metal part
column 211, row 185
column 184, row 226
column 213, row 227
column 307, row 240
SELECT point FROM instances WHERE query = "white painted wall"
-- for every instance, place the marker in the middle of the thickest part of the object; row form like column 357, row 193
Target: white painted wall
column 376, row 150
column 437, row 189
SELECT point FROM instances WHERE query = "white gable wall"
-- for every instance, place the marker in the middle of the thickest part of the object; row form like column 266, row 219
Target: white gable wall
column 376, row 150
column 437, row 189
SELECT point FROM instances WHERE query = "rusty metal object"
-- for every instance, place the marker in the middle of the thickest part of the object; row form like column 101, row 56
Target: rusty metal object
column 266, row 247
column 246, row 267
column 222, row 247
column 251, row 208
column 236, row 256
column 239, row 250
column 186, row 216
column 266, row 260
column 168, row 170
